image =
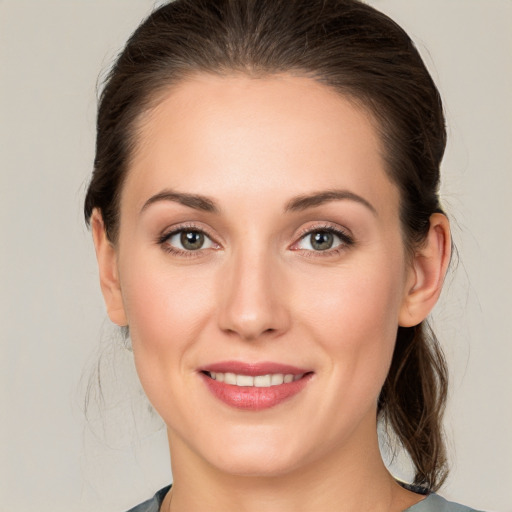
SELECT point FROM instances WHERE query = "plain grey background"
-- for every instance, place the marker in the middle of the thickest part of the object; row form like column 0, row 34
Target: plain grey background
column 52, row 317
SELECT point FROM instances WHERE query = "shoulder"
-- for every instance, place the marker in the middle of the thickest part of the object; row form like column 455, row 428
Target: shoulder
column 434, row 503
column 152, row 505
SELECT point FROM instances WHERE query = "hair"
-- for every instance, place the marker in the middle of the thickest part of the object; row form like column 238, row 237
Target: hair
column 365, row 56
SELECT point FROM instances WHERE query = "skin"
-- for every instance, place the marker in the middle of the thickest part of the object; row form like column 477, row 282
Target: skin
column 260, row 291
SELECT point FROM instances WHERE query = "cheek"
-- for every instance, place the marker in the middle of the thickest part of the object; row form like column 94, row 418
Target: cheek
column 354, row 317
column 165, row 309
column 350, row 304
column 166, row 313
column 156, row 297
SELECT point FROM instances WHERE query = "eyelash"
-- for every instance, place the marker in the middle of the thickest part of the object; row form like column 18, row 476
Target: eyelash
column 346, row 241
column 165, row 237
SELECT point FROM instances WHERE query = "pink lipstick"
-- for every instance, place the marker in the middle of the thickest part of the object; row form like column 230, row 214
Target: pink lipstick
column 254, row 386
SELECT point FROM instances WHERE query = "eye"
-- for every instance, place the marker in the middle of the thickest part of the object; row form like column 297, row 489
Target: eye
column 323, row 240
column 187, row 240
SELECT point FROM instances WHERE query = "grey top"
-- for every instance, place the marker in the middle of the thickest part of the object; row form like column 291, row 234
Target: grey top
column 154, row 504
column 432, row 503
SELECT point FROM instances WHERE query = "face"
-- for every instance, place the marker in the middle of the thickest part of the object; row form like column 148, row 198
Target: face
column 262, row 271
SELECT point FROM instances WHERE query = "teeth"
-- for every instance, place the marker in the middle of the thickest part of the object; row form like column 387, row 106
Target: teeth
column 276, row 379
column 244, row 380
column 260, row 381
column 229, row 378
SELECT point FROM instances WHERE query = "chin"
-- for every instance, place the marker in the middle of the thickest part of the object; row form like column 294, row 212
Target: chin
column 259, row 465
column 261, row 455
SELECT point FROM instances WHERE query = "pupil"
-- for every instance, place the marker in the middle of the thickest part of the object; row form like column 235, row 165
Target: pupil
column 322, row 240
column 192, row 240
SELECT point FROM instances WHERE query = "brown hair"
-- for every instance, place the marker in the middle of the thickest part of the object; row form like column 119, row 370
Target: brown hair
column 346, row 45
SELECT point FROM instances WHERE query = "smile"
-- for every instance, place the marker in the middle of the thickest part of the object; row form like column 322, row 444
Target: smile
column 258, row 381
column 254, row 387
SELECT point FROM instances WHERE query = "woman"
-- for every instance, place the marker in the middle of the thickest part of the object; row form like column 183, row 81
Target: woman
column 265, row 214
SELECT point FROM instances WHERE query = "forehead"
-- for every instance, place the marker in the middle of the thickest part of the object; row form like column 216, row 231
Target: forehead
column 285, row 134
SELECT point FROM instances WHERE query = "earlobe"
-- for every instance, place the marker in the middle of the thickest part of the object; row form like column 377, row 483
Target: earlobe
column 108, row 270
column 427, row 273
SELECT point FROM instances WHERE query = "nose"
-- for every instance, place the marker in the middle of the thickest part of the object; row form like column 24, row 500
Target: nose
column 252, row 297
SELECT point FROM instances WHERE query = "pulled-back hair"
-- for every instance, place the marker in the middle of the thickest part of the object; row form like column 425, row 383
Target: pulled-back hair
column 348, row 46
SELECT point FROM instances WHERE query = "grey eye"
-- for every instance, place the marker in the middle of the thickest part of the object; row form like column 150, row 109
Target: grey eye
column 321, row 240
column 190, row 240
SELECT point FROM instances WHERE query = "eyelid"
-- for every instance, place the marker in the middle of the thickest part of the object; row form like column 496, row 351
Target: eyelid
column 173, row 230
column 322, row 225
column 342, row 233
column 183, row 226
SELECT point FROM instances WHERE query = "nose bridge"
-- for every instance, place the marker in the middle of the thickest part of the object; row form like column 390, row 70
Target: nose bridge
column 252, row 300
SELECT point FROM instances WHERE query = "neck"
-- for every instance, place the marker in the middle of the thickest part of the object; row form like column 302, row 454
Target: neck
column 350, row 478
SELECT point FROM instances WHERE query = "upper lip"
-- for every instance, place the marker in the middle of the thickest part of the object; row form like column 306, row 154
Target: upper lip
column 253, row 369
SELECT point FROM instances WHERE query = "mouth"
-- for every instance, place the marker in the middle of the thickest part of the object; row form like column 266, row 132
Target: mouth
column 258, row 381
column 254, row 387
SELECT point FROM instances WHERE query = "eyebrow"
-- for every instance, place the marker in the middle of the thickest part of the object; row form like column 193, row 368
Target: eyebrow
column 304, row 202
column 196, row 201
column 296, row 204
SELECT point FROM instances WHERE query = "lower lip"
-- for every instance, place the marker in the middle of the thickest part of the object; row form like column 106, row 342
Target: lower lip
column 253, row 398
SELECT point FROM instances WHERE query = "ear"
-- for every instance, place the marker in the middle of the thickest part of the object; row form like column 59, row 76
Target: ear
column 109, row 275
column 427, row 273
